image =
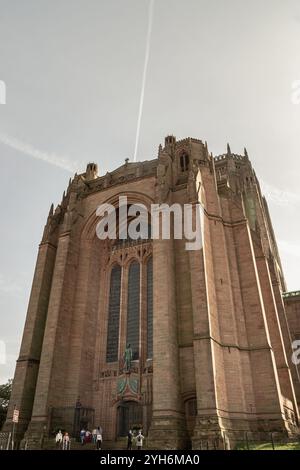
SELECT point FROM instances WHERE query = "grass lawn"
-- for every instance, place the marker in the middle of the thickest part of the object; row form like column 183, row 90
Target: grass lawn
column 268, row 446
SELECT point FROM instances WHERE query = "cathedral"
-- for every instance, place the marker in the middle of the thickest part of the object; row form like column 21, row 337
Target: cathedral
column 194, row 347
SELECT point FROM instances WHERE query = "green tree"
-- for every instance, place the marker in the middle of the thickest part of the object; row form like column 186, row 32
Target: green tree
column 5, row 391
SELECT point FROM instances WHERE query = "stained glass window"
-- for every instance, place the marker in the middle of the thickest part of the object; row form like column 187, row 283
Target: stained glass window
column 133, row 309
column 150, row 308
column 114, row 315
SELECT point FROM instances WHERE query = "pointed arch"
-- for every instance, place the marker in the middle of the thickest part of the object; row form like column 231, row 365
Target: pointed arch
column 184, row 161
column 89, row 228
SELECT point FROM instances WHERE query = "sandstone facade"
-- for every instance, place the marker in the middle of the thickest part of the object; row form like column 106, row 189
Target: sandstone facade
column 221, row 363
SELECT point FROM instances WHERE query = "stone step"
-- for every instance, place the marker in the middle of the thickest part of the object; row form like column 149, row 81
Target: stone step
column 119, row 444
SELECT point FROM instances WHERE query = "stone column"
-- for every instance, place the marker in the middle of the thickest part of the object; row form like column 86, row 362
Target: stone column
column 207, row 431
column 168, row 430
column 267, row 392
column 285, row 330
column 50, row 350
column 27, row 368
column 276, row 335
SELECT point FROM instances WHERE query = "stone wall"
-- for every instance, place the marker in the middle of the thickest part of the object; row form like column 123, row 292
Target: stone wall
column 221, row 340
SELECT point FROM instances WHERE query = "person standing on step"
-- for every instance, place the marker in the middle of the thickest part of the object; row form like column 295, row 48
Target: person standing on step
column 58, row 439
column 99, row 439
column 139, row 440
column 66, row 442
column 99, row 431
column 82, row 436
column 129, row 439
column 94, row 435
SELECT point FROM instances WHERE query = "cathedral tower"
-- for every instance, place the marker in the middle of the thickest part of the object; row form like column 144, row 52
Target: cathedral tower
column 192, row 346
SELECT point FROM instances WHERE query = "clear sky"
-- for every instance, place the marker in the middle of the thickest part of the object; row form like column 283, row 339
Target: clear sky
column 218, row 70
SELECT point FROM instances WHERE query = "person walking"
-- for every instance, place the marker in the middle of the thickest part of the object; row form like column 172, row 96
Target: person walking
column 66, row 442
column 139, row 440
column 129, row 439
column 58, row 439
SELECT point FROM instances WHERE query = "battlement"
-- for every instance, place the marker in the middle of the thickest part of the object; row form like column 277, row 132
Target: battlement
column 127, row 172
column 234, row 156
column 190, row 139
column 171, row 139
column 289, row 295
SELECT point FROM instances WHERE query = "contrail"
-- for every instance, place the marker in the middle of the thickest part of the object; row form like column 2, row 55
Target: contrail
column 28, row 149
column 150, row 18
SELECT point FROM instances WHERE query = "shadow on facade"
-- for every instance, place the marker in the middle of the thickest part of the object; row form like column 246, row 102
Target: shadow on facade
column 71, row 420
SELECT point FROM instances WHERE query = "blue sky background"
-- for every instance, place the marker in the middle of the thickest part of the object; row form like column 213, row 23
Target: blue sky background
column 218, row 70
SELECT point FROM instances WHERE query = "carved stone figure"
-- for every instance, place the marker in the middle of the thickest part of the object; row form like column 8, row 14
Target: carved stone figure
column 127, row 358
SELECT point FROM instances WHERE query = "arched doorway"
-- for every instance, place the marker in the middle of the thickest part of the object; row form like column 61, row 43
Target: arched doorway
column 129, row 416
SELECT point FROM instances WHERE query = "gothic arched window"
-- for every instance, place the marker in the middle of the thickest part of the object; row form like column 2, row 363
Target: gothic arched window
column 112, row 348
column 150, row 308
column 184, row 162
column 133, row 309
